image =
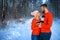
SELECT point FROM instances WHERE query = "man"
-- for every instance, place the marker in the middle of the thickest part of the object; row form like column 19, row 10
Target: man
column 46, row 23
column 35, row 26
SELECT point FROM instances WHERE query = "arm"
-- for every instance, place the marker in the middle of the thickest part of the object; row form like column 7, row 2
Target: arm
column 49, row 22
column 33, row 26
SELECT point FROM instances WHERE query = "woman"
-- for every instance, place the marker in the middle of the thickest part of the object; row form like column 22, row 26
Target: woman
column 35, row 25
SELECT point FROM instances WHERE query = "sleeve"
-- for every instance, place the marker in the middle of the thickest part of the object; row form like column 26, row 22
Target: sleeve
column 33, row 25
column 49, row 21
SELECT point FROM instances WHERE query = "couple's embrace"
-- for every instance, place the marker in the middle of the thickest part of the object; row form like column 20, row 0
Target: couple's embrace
column 41, row 29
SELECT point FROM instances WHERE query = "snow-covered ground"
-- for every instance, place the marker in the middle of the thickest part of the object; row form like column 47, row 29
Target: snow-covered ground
column 16, row 30
column 55, row 29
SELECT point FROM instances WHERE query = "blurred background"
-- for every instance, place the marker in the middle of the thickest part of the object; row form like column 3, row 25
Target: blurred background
column 15, row 18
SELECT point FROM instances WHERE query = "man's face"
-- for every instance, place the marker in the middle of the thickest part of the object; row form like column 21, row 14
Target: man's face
column 43, row 9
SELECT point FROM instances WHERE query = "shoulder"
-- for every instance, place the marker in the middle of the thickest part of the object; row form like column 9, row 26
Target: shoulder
column 33, row 19
column 49, row 14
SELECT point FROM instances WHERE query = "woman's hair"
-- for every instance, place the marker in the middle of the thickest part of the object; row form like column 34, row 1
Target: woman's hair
column 34, row 12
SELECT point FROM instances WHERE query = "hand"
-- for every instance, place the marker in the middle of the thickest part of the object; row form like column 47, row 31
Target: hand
column 40, row 25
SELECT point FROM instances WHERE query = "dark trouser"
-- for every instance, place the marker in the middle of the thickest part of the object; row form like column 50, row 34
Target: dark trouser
column 35, row 37
column 44, row 36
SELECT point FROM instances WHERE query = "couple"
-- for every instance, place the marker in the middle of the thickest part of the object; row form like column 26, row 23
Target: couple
column 41, row 28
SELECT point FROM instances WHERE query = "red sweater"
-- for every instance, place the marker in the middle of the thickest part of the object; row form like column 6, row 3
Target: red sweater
column 46, row 25
column 35, row 27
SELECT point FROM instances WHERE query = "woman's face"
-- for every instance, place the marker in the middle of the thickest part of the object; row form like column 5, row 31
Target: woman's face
column 38, row 14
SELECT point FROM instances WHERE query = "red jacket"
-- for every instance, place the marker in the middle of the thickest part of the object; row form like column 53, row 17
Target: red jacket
column 35, row 27
column 48, row 18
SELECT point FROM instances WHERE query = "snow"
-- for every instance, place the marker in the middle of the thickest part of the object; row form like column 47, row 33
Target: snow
column 16, row 30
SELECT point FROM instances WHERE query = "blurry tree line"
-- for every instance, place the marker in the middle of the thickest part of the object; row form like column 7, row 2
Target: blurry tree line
column 17, row 8
column 22, row 8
